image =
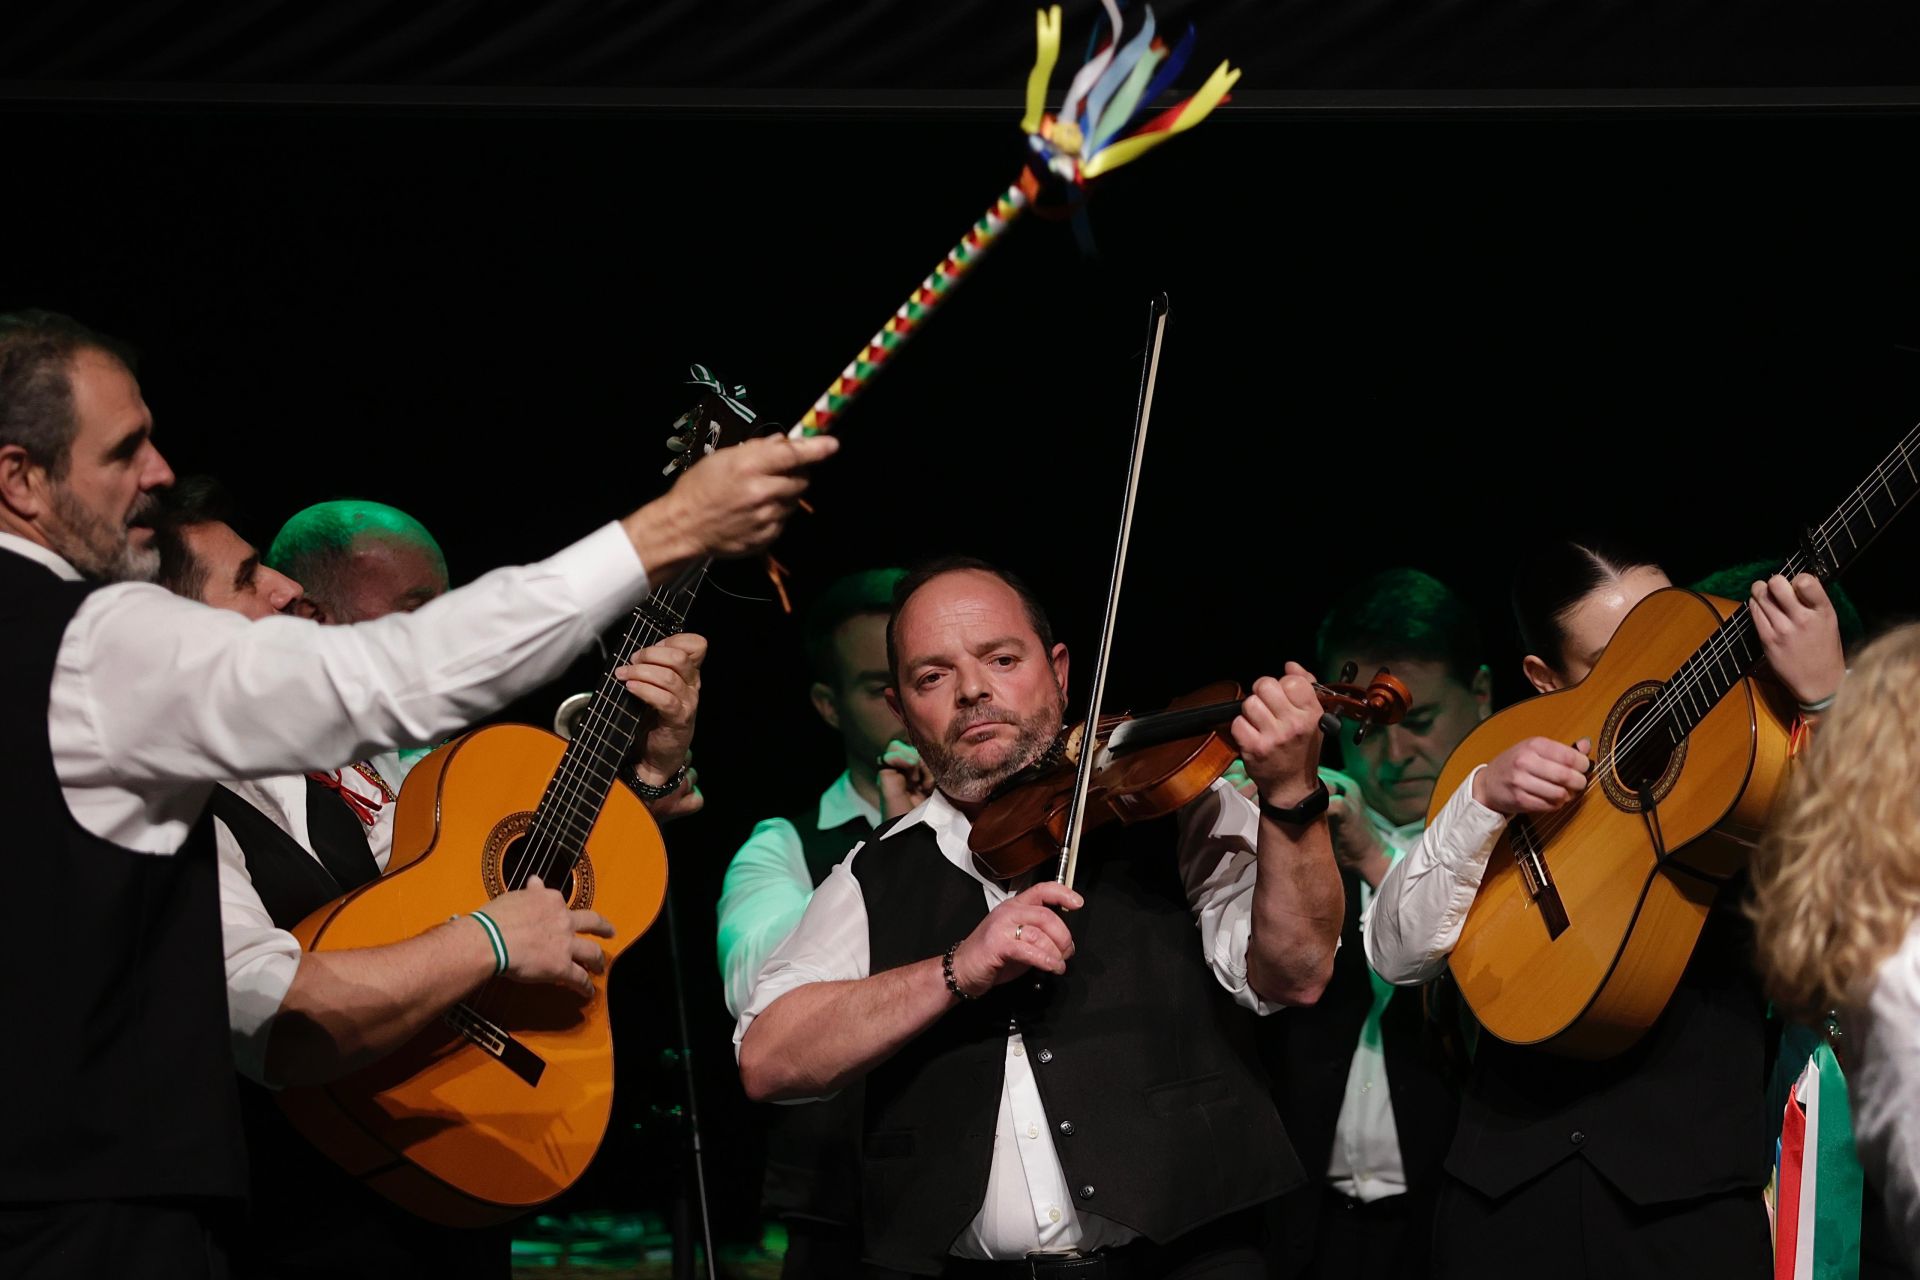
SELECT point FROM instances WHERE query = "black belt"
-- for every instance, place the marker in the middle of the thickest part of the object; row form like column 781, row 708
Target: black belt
column 1102, row 1264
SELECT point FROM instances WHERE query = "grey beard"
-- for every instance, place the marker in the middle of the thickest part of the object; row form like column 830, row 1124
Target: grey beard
column 969, row 783
column 100, row 549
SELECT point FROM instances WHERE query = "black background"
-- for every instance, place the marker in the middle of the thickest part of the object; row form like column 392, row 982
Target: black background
column 1432, row 342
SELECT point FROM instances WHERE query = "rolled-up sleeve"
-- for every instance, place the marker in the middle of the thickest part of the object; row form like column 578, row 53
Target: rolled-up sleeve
column 765, row 893
column 1219, row 862
column 1415, row 919
column 828, row 945
column 261, row 957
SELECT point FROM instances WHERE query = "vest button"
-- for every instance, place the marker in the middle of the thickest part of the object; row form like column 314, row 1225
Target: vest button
column 1039, row 988
column 1045, row 1056
column 1066, row 1127
column 1577, row 1137
column 1086, row 1192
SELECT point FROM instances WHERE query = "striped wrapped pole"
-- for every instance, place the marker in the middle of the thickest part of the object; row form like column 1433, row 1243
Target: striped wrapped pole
column 894, row 334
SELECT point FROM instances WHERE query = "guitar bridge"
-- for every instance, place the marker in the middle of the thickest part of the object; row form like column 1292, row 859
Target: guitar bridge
column 496, row 1041
column 1527, row 856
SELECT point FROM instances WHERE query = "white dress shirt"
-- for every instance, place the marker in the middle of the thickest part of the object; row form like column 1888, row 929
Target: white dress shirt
column 1422, row 904
column 155, row 697
column 1885, row 1090
column 1027, row 1203
column 768, row 886
column 1366, row 1163
column 262, row 957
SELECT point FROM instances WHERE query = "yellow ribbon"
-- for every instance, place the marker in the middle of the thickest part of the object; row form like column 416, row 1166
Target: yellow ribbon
column 1046, row 24
column 1197, row 109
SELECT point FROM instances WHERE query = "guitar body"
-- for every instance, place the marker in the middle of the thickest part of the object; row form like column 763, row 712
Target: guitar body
column 1631, row 921
column 453, row 1131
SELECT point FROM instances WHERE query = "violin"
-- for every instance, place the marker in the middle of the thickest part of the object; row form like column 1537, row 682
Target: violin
column 1145, row 767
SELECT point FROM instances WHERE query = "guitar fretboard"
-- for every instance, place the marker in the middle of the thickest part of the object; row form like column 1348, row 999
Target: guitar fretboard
column 1733, row 651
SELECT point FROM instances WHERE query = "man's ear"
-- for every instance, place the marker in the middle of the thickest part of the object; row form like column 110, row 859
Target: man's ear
column 22, row 483
column 1541, row 676
column 825, row 704
column 1482, row 691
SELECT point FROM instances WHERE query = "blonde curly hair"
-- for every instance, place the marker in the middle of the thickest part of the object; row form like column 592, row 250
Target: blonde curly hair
column 1836, row 880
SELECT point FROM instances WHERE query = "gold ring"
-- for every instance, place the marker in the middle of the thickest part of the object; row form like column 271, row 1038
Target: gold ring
column 1017, row 931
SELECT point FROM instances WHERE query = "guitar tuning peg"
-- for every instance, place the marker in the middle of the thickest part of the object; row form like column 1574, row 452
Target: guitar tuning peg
column 676, row 444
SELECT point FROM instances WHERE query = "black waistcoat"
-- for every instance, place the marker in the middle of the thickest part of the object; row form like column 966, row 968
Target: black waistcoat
column 1162, row 1116
column 1310, row 1053
column 308, row 1219
column 1679, row 1115
column 118, row 1077
column 813, row 1148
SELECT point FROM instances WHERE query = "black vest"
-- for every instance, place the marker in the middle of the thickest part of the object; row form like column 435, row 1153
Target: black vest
column 309, row 1219
column 1681, row 1114
column 118, row 1076
column 1163, row 1117
column 813, row 1148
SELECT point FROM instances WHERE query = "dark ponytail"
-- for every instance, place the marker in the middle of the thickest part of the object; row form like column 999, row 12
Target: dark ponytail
column 1553, row 580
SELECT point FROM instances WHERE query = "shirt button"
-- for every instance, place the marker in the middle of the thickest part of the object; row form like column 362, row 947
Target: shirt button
column 1019, row 1051
column 1577, row 1137
column 1066, row 1127
column 1045, row 1056
column 1086, row 1192
column 1053, row 1214
column 1033, row 1131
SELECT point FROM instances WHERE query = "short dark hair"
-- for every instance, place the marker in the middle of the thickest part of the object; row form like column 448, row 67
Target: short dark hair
column 1402, row 613
column 1736, row 583
column 1554, row 579
column 192, row 500
column 868, row 593
column 36, row 384
column 927, row 571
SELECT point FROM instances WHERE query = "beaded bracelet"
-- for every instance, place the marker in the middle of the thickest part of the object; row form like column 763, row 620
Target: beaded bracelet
column 946, row 967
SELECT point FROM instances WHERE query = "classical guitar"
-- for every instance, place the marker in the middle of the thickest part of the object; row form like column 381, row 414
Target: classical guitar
column 1588, row 915
column 503, row 1105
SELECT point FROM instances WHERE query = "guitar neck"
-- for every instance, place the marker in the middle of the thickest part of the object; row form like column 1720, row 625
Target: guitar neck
column 604, row 737
column 1734, row 650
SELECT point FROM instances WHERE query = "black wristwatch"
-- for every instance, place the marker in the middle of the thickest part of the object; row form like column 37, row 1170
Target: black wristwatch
column 1300, row 814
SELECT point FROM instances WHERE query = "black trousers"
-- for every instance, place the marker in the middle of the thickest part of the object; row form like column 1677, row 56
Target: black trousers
column 823, row 1251
column 1232, row 1248
column 1328, row 1236
column 1572, row 1224
column 123, row 1239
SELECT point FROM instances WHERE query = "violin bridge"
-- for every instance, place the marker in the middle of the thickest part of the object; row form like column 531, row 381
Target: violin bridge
column 1533, row 870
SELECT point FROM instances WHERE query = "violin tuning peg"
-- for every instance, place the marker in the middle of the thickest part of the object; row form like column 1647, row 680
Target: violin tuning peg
column 1361, row 731
column 1330, row 724
column 1348, row 672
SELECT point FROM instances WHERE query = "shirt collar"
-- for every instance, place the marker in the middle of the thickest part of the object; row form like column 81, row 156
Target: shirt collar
column 841, row 804
column 40, row 555
column 950, row 830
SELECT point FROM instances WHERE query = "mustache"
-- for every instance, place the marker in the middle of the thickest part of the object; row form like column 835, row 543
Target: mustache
column 959, row 727
column 144, row 511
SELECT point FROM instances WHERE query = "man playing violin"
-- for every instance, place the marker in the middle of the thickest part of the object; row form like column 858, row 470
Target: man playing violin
column 1048, row 1070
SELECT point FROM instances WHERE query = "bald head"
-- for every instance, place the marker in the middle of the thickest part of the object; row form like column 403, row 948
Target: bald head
column 360, row 560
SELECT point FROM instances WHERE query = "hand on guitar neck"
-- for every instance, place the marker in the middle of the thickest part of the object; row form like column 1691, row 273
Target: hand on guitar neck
column 730, row 503
column 1801, row 634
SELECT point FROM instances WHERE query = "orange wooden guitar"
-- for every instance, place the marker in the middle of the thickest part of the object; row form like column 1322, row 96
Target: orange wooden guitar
column 1587, row 916
column 503, row 1105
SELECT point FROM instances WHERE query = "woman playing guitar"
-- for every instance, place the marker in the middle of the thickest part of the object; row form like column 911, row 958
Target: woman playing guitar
column 1645, row 1164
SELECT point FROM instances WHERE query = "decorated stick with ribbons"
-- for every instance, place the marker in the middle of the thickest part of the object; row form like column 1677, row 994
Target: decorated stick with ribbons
column 1099, row 128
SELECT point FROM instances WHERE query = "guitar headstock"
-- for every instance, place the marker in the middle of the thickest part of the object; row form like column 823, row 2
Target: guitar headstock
column 720, row 418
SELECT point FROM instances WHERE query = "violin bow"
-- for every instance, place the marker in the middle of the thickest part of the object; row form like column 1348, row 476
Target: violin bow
column 1089, row 744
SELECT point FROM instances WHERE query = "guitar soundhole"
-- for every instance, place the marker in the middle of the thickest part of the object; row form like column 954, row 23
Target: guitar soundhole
column 511, row 854
column 1640, row 749
column 521, row 858
column 1646, row 755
